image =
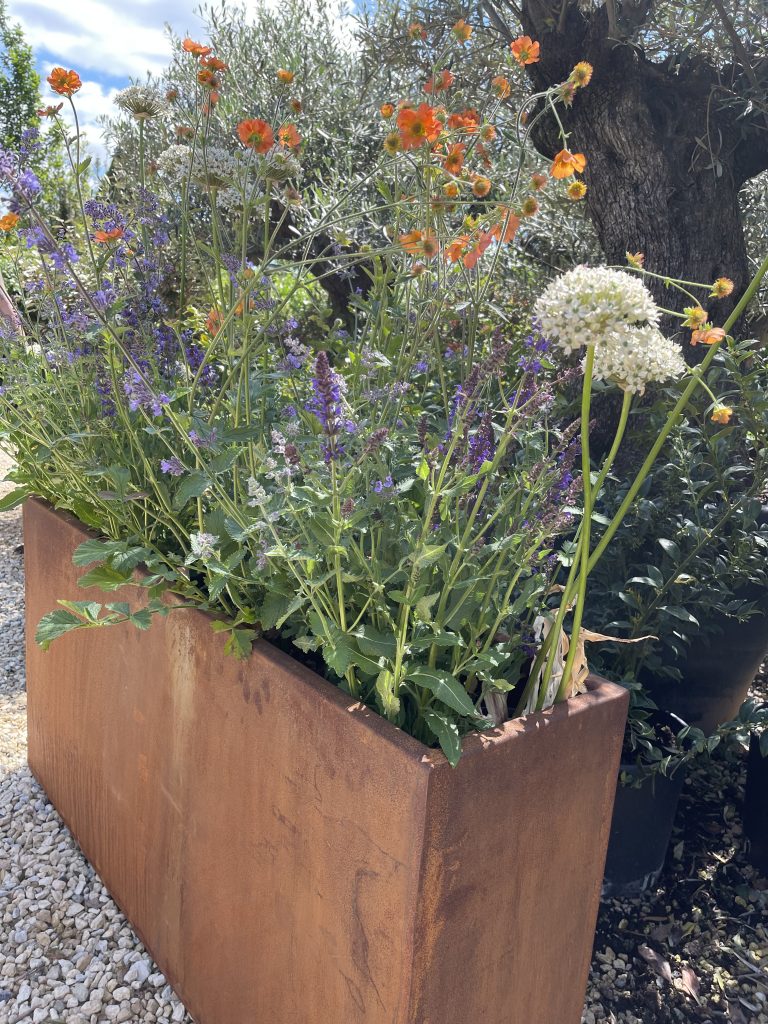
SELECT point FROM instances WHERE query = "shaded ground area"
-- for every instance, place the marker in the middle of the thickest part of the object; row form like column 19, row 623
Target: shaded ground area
column 696, row 947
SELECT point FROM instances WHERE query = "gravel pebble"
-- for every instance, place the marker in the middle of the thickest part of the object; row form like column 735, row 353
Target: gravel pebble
column 67, row 954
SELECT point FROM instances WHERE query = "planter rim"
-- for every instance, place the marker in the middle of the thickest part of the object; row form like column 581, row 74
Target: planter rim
column 473, row 745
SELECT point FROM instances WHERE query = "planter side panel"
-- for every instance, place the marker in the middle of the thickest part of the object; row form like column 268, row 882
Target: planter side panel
column 264, row 842
column 514, row 854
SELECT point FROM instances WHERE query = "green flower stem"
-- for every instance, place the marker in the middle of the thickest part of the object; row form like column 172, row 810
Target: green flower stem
column 586, row 527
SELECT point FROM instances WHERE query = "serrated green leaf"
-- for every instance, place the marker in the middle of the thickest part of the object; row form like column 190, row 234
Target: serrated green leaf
column 192, row 486
column 56, row 624
column 104, row 577
column 96, row 551
column 385, row 691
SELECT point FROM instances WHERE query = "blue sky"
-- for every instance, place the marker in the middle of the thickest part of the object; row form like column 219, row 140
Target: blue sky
column 105, row 41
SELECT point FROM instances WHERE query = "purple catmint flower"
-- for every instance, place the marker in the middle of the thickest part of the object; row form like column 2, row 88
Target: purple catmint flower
column 207, row 441
column 172, row 466
column 141, row 397
column 383, row 485
column 26, row 187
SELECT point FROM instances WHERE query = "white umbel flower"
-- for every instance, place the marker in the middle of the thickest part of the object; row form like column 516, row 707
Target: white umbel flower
column 584, row 305
column 142, row 102
column 211, row 167
column 633, row 357
column 174, row 163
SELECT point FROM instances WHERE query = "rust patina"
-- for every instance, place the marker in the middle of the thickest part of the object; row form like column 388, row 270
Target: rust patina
column 290, row 859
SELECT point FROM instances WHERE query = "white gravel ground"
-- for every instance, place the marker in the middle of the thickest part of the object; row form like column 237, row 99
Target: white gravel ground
column 67, row 954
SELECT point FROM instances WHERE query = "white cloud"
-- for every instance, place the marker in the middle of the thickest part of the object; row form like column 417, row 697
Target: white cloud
column 110, row 41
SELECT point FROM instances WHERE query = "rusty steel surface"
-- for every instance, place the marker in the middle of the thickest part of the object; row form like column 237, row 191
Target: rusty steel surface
column 289, row 859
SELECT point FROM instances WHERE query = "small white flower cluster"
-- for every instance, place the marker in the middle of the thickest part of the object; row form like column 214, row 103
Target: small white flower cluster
column 142, row 102
column 586, row 304
column 174, row 162
column 211, row 167
column 635, row 356
column 203, row 545
column 256, row 493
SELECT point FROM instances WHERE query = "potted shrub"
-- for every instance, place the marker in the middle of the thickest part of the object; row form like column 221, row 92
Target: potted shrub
column 356, row 769
column 688, row 566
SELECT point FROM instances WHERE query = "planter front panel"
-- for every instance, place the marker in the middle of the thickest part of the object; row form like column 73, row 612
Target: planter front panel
column 288, row 860
column 266, row 861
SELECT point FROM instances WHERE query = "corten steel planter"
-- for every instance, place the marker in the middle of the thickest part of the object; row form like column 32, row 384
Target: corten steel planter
column 290, row 859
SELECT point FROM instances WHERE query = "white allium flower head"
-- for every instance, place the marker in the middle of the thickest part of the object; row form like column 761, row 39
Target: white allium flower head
column 214, row 167
column 142, row 102
column 635, row 356
column 584, row 305
column 174, row 162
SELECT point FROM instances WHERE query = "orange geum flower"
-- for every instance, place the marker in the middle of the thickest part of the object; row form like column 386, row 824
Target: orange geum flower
column 289, row 136
column 9, row 221
column 454, row 159
column 462, row 31
column 214, row 64
column 722, row 414
column 392, row 143
column 635, row 259
column 576, row 190
column 416, row 31
column 296, row 106
column 387, row 110
column 481, row 186
column 418, row 126
column 707, row 336
column 171, row 95
column 196, row 49
column 412, row 242
column 65, row 83
column 467, row 121
column 539, row 182
column 456, row 249
column 581, row 74
column 112, row 235
column 208, row 78
column 722, row 287
column 439, row 82
column 451, row 190
column 184, row 131
column 471, row 258
column 525, row 51
column 566, row 163
column 214, row 322
column 695, row 317
column 529, row 207
column 285, row 76
column 50, row 111
column 256, row 134
column 507, row 227
column 488, row 133
column 500, row 87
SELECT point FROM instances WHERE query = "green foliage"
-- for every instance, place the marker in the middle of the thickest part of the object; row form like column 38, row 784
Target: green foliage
column 19, row 83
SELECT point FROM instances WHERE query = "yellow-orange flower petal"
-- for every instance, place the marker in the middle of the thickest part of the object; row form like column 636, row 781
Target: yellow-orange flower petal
column 525, row 51
column 566, row 163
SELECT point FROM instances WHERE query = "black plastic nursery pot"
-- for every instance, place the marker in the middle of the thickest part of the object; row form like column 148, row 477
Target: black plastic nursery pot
column 643, row 816
column 720, row 668
column 756, row 806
